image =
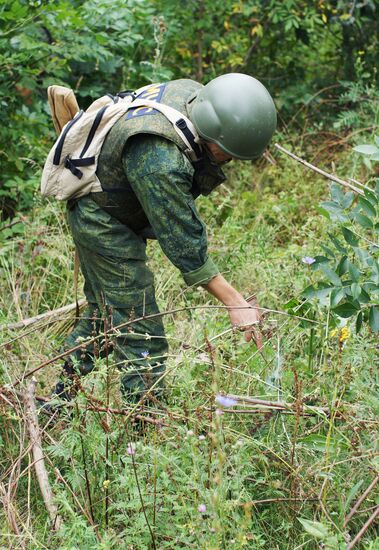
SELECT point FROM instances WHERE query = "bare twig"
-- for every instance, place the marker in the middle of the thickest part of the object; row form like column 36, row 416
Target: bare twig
column 275, row 500
column 319, row 171
column 114, row 330
column 39, row 463
column 9, row 509
column 279, row 405
column 369, row 522
column 26, row 322
column 360, row 500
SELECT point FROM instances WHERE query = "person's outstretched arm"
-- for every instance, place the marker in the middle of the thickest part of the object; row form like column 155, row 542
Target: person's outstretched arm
column 243, row 315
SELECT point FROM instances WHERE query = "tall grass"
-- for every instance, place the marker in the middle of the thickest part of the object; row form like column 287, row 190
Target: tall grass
column 194, row 474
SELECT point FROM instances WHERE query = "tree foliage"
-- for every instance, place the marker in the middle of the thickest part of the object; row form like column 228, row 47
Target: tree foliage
column 295, row 47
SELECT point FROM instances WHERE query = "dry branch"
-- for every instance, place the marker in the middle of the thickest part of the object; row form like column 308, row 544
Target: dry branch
column 265, row 406
column 9, row 510
column 360, row 500
column 39, row 462
column 368, row 523
column 32, row 320
column 321, row 172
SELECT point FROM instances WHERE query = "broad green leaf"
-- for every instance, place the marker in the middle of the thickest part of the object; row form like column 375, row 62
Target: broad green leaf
column 359, row 322
column 346, row 310
column 343, row 266
column 355, row 290
column 328, row 251
column 319, row 293
column 348, row 199
column 314, row 528
column 377, row 140
column 375, row 156
column 367, row 207
column 335, row 211
column 363, row 256
column 371, row 197
column 319, row 260
column 337, row 244
column 363, row 220
column 337, row 194
column 364, row 297
column 373, row 318
column 349, row 236
column 354, row 271
column 366, row 149
column 336, row 296
column 330, row 274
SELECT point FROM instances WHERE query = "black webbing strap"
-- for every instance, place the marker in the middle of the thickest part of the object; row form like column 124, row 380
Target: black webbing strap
column 94, row 127
column 126, row 93
column 72, row 165
column 182, row 125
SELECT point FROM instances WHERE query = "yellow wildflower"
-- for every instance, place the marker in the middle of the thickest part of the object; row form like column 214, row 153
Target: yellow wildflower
column 345, row 333
column 106, row 483
column 333, row 333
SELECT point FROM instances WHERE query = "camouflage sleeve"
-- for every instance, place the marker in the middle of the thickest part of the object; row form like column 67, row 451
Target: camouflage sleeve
column 161, row 177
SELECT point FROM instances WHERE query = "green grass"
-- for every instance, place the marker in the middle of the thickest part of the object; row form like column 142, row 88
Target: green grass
column 306, row 467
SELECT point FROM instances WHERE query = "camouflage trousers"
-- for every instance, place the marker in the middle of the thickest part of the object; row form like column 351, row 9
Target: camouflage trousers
column 119, row 288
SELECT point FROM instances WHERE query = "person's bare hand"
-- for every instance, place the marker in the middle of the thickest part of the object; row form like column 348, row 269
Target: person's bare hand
column 246, row 317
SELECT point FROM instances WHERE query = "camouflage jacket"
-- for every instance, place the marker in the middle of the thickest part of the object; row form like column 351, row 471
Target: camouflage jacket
column 150, row 185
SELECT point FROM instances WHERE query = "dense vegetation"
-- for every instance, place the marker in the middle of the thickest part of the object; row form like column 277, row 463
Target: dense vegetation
column 194, row 473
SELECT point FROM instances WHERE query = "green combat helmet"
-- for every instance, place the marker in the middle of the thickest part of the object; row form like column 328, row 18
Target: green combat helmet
column 236, row 112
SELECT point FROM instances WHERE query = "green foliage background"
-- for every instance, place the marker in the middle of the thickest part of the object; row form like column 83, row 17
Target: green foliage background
column 272, row 480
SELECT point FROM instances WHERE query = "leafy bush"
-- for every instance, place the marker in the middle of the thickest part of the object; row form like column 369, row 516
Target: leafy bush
column 350, row 264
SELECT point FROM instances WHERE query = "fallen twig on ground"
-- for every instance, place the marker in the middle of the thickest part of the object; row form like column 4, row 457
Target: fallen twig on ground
column 39, row 462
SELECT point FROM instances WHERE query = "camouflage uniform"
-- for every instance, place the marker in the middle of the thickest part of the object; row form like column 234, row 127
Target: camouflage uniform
column 149, row 191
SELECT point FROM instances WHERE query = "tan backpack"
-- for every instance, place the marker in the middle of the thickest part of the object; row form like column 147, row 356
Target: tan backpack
column 70, row 168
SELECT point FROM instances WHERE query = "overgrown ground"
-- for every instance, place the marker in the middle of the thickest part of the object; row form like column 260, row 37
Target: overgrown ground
column 261, row 477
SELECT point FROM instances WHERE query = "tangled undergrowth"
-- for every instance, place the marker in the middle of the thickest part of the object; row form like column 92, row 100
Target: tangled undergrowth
column 278, row 464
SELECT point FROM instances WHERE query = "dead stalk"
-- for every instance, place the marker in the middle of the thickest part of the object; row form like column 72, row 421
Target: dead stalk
column 368, row 523
column 360, row 500
column 38, row 457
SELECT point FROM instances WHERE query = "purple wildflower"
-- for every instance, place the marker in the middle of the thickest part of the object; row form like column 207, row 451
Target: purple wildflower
column 219, row 412
column 131, row 449
column 202, row 508
column 308, row 260
column 225, row 401
column 202, row 437
column 144, row 354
